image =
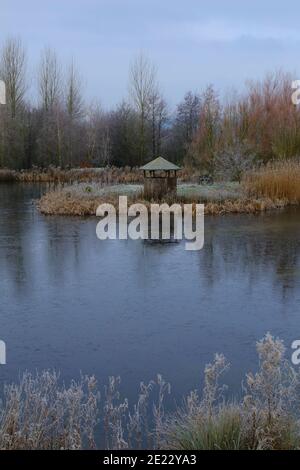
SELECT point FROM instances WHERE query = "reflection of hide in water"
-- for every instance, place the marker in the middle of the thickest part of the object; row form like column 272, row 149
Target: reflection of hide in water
column 164, row 236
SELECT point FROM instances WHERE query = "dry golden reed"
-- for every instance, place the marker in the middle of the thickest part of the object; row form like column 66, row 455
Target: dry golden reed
column 277, row 180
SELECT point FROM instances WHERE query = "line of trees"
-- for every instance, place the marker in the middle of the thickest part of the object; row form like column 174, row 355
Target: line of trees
column 63, row 130
column 203, row 132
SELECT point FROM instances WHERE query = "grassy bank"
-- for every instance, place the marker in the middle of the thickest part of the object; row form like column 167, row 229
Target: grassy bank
column 80, row 191
column 220, row 198
column 40, row 412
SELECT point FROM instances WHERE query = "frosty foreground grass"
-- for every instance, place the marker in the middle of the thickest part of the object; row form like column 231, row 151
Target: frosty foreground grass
column 41, row 413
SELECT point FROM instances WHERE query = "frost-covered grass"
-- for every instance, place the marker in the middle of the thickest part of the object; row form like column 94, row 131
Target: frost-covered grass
column 213, row 193
column 40, row 412
column 266, row 417
column 216, row 191
column 91, row 190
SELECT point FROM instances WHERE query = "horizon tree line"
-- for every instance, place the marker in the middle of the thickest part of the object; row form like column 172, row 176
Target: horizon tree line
column 218, row 137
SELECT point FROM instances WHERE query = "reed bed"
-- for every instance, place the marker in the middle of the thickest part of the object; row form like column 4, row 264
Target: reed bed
column 57, row 175
column 83, row 200
column 277, row 180
column 40, row 412
column 107, row 175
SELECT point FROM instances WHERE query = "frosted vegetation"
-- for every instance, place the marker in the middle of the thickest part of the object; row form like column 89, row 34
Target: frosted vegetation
column 268, row 187
column 40, row 412
column 214, row 192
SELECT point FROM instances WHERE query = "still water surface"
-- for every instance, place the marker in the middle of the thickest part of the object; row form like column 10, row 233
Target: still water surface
column 71, row 302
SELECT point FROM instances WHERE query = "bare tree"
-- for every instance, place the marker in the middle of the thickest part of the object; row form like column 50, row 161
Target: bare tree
column 13, row 73
column 187, row 116
column 13, row 125
column 105, row 146
column 124, row 127
column 98, row 136
column 159, row 116
column 74, row 112
column 50, row 90
column 73, row 98
column 49, row 79
column 206, row 141
column 142, row 86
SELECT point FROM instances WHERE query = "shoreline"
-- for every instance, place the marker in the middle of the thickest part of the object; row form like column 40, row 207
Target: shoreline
column 79, row 191
column 68, row 202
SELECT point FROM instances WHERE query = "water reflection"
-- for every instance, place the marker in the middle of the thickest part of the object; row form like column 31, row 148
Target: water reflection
column 126, row 307
column 258, row 247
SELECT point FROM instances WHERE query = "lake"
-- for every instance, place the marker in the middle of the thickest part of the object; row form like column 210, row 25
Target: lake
column 129, row 308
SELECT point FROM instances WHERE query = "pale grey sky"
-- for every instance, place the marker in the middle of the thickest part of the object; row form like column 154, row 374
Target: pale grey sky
column 192, row 42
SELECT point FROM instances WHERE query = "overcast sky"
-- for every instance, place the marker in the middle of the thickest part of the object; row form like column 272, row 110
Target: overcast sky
column 192, row 42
